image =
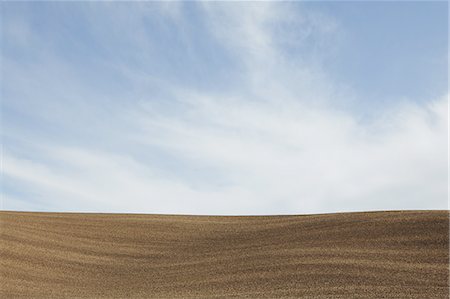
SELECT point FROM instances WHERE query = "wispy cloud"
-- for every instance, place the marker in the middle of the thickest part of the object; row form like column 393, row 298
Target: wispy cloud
column 272, row 134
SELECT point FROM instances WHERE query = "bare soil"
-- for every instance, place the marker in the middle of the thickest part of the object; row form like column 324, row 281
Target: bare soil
column 402, row 254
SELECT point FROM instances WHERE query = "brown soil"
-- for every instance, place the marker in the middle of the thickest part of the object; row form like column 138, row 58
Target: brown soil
column 349, row 255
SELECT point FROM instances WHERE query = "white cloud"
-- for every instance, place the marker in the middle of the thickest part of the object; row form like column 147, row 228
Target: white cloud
column 270, row 163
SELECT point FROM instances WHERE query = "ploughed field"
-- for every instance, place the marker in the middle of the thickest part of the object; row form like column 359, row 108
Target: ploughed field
column 401, row 254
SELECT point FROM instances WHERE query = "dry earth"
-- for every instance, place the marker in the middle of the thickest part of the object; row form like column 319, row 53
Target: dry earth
column 349, row 255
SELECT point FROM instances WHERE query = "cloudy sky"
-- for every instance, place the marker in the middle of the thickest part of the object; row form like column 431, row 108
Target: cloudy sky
column 224, row 108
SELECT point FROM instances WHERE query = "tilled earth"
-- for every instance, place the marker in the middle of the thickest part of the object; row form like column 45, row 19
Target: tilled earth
column 402, row 254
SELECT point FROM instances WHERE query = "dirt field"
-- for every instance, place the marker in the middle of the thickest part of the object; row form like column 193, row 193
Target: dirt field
column 350, row 255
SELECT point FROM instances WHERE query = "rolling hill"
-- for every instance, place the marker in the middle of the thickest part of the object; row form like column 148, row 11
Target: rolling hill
column 402, row 254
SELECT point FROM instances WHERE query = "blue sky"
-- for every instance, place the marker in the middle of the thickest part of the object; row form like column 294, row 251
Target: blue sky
column 224, row 108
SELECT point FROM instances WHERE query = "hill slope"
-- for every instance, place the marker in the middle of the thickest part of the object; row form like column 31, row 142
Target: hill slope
column 361, row 255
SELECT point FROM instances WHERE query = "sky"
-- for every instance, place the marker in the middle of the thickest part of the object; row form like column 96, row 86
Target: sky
column 238, row 108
